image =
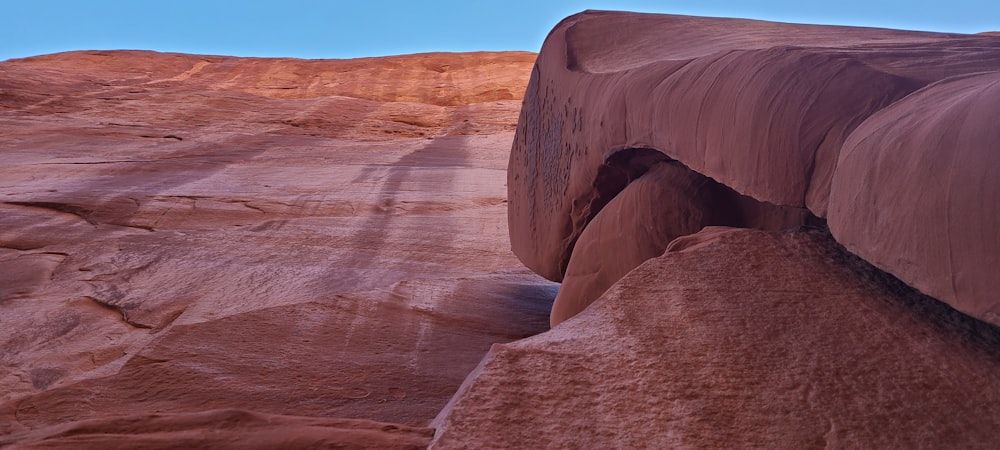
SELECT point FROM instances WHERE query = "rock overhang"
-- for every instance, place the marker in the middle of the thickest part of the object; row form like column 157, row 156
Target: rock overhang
column 764, row 108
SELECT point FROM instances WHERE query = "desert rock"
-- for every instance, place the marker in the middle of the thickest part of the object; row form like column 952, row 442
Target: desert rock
column 227, row 428
column 927, row 170
column 665, row 203
column 741, row 338
column 769, row 110
column 184, row 234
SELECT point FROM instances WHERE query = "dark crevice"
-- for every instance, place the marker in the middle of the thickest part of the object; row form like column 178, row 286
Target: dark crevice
column 68, row 208
column 120, row 310
column 729, row 208
column 975, row 335
column 620, row 169
column 617, row 171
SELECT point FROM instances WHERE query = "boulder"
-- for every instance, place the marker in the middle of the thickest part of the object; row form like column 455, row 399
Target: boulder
column 768, row 110
column 917, row 192
column 665, row 203
column 740, row 338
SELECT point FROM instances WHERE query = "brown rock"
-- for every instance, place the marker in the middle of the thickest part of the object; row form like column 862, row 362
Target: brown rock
column 230, row 428
column 763, row 108
column 181, row 234
column 665, row 203
column 736, row 339
column 917, row 192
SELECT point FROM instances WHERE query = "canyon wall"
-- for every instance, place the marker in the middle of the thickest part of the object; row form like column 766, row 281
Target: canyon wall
column 213, row 251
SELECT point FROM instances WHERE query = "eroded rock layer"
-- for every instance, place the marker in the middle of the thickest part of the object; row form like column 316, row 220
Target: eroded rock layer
column 740, row 338
column 916, row 192
column 665, row 203
column 228, row 428
column 183, row 234
column 794, row 115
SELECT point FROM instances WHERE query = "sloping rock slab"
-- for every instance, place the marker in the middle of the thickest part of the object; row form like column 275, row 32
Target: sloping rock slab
column 226, row 428
column 740, row 338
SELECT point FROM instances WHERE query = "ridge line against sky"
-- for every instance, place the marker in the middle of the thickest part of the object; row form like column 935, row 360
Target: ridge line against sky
column 339, row 29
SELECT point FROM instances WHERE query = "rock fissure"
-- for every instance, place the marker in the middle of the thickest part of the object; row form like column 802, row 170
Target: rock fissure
column 121, row 311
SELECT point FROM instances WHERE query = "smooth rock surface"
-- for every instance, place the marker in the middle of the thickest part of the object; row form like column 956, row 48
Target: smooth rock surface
column 765, row 109
column 741, row 339
column 927, row 170
column 182, row 234
column 665, row 203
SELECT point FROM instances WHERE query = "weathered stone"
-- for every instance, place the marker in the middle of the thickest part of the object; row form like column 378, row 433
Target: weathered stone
column 182, row 234
column 766, row 109
column 739, row 338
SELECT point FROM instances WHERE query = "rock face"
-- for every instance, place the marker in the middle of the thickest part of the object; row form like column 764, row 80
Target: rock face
column 638, row 130
column 203, row 251
column 741, row 339
column 799, row 116
column 665, row 203
column 927, row 169
column 229, row 428
column 203, row 243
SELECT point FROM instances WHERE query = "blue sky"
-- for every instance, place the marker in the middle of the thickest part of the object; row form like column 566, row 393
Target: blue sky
column 341, row 29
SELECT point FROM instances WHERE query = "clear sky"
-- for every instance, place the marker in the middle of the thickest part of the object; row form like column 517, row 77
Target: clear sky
column 342, row 29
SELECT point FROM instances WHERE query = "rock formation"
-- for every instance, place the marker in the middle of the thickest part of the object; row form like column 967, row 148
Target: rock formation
column 768, row 235
column 202, row 244
column 799, row 116
column 917, row 192
column 741, row 338
column 665, row 203
column 820, row 145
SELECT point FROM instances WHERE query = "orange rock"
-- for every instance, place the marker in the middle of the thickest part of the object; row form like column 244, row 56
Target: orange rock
column 182, row 234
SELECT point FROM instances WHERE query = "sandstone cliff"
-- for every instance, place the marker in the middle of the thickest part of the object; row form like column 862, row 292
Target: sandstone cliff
column 207, row 250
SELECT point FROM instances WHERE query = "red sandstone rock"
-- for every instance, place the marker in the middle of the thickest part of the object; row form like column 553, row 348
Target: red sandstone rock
column 737, row 339
column 667, row 202
column 765, row 109
column 182, row 234
column 917, row 192
column 230, row 428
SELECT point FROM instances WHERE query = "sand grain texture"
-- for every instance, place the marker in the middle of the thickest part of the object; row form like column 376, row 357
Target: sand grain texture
column 741, row 339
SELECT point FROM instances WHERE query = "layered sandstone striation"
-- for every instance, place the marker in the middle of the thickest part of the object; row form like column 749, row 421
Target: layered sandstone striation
column 890, row 136
column 225, row 428
column 204, row 244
